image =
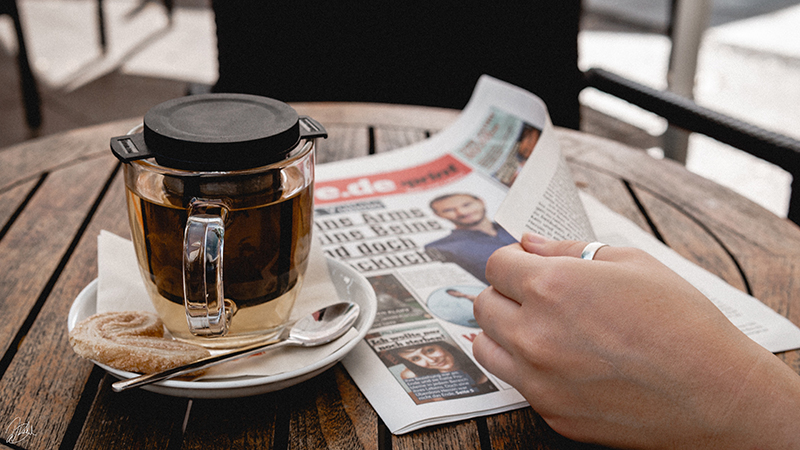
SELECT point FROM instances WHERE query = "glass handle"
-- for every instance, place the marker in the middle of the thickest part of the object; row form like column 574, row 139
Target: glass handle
column 203, row 294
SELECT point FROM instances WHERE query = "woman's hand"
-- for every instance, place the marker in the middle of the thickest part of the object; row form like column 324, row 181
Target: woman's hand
column 622, row 351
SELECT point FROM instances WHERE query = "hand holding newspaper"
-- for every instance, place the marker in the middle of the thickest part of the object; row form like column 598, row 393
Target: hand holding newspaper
column 417, row 223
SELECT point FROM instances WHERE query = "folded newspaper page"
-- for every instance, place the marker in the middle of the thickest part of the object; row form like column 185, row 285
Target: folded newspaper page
column 419, row 224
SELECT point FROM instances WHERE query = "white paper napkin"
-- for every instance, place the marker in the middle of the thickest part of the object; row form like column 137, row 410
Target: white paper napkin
column 120, row 288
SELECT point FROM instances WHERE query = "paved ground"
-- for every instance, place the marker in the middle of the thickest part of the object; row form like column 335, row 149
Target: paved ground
column 749, row 67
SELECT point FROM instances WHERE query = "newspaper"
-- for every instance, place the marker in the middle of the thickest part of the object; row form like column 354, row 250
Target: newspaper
column 419, row 223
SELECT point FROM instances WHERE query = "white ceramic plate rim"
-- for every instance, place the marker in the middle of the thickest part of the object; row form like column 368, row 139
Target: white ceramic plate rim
column 343, row 278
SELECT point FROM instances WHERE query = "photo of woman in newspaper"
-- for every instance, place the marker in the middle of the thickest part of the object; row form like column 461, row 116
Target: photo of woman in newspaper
column 429, row 367
column 475, row 236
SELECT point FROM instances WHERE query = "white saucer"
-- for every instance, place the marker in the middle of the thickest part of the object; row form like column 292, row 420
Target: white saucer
column 350, row 285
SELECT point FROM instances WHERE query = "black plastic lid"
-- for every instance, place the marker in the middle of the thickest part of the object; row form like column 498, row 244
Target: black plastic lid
column 217, row 132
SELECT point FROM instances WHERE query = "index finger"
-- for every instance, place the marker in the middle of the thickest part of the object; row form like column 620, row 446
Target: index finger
column 512, row 271
column 538, row 267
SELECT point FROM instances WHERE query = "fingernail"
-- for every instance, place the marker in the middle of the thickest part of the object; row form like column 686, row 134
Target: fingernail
column 534, row 238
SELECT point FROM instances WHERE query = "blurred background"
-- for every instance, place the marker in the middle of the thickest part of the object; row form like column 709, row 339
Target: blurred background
column 748, row 66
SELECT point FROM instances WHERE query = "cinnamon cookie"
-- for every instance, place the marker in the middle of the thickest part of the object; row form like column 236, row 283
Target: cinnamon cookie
column 131, row 340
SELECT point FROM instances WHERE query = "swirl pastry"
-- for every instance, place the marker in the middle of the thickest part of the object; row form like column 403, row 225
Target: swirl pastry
column 131, row 340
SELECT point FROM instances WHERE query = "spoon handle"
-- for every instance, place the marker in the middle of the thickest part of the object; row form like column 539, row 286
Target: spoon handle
column 202, row 363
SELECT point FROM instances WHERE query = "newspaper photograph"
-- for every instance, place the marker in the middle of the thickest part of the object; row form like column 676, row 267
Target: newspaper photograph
column 420, row 224
column 428, row 364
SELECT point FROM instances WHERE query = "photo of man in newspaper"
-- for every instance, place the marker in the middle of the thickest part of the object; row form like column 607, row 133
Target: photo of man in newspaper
column 502, row 146
column 429, row 365
column 526, row 141
column 475, row 236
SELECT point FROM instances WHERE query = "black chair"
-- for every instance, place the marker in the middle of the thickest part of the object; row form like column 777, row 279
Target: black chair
column 423, row 53
column 30, row 92
column 433, row 55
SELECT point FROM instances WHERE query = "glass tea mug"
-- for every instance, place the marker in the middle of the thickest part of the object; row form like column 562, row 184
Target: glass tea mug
column 221, row 181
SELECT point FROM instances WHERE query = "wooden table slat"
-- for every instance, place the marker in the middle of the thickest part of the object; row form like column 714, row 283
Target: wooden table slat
column 525, row 429
column 611, row 191
column 378, row 115
column 30, row 159
column 240, row 423
column 319, row 419
column 14, row 198
column 387, row 139
column 139, row 419
column 362, row 416
column 41, row 235
column 685, row 235
column 343, row 142
column 458, row 435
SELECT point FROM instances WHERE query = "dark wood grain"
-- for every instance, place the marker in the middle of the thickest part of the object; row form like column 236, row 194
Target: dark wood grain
column 243, row 423
column 325, row 412
column 459, row 435
column 360, row 413
column 131, row 419
column 319, row 418
column 39, row 238
column 524, row 429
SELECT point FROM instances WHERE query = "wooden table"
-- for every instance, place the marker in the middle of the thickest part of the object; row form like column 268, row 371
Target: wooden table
column 58, row 192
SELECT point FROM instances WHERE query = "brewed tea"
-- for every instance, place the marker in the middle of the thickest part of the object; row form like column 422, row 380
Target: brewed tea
column 267, row 242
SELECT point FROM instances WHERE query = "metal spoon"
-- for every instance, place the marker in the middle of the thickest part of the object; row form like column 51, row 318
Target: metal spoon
column 317, row 328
